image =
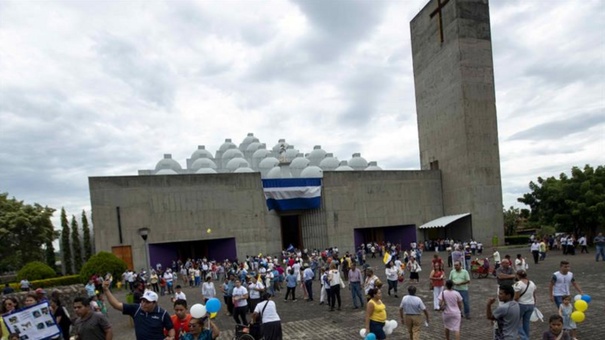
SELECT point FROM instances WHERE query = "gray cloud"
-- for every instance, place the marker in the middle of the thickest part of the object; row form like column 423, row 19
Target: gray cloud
column 150, row 78
column 561, row 128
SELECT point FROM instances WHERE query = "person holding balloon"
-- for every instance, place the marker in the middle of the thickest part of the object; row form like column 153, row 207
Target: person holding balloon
column 376, row 314
column 198, row 332
column 565, row 311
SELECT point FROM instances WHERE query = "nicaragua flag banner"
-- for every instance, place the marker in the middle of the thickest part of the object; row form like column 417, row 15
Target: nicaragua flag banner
column 285, row 194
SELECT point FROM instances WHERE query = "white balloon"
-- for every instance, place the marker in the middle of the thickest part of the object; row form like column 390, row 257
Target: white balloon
column 393, row 324
column 362, row 332
column 388, row 331
column 577, row 297
column 197, row 311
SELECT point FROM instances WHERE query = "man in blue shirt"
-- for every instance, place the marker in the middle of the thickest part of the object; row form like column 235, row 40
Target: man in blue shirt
column 308, row 279
column 150, row 320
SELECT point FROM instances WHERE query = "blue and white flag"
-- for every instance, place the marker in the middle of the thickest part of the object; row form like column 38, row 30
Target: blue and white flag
column 292, row 193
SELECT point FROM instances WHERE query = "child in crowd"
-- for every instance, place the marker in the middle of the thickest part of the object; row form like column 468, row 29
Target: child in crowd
column 565, row 311
column 555, row 329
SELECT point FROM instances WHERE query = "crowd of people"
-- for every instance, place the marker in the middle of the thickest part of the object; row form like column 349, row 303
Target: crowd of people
column 249, row 288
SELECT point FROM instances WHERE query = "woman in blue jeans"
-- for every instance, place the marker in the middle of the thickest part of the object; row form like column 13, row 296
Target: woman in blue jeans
column 525, row 295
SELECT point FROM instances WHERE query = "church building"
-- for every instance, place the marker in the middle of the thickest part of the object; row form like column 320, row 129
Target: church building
column 245, row 199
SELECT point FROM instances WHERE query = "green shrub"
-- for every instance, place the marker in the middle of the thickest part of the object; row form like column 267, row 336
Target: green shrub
column 102, row 263
column 36, row 270
column 47, row 283
column 519, row 239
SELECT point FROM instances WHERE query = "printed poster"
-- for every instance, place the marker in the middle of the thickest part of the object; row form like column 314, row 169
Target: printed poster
column 32, row 323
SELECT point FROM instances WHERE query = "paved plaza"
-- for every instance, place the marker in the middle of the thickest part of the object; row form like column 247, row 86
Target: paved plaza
column 308, row 320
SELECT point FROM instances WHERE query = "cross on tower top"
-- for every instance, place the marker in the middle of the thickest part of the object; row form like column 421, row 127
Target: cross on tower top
column 437, row 12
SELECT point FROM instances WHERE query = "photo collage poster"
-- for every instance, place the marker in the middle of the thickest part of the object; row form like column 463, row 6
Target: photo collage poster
column 32, row 323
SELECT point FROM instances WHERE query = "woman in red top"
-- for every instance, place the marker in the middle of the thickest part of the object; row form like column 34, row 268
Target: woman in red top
column 438, row 280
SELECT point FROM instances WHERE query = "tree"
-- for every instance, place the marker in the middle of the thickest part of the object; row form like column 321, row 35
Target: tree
column 511, row 221
column 86, row 237
column 65, row 246
column 49, row 248
column 573, row 204
column 24, row 229
column 76, row 244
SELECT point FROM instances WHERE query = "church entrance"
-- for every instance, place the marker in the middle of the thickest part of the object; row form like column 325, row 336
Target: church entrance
column 291, row 232
column 216, row 249
column 401, row 234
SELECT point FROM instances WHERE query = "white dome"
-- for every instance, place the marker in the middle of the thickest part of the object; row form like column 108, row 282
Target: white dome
column 253, row 146
column 317, row 155
column 228, row 144
column 236, row 163
column 201, row 163
column 205, row 171
column 291, row 152
column 373, row 166
column 267, row 164
column 299, row 162
column 168, row 163
column 166, row 172
column 274, row 173
column 232, row 153
column 277, row 147
column 247, row 141
column 344, row 167
column 243, row 170
column 201, row 152
column 329, row 163
column 358, row 162
column 312, row 172
column 260, row 154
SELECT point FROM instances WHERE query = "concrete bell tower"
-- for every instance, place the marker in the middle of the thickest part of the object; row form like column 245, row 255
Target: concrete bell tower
column 456, row 109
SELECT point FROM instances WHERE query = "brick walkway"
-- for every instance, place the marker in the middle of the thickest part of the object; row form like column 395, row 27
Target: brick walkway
column 308, row 320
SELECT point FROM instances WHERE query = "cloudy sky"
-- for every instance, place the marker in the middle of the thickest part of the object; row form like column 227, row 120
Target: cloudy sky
column 105, row 88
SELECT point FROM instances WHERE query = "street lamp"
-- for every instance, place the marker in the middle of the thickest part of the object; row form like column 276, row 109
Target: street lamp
column 144, row 232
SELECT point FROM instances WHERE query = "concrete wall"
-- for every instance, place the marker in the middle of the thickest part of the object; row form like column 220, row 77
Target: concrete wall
column 455, row 102
column 365, row 199
column 179, row 208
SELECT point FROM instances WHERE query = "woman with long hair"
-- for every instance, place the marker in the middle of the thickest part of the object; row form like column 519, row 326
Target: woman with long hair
column 9, row 305
column 437, row 281
column 451, row 305
column 376, row 314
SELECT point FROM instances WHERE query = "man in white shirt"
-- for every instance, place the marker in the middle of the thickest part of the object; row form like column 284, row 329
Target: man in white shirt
column 583, row 244
column 240, row 303
column 560, row 282
column 496, row 257
column 169, row 278
column 535, row 250
column 179, row 295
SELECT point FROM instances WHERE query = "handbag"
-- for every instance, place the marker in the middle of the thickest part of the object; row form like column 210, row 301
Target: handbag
column 418, row 268
column 536, row 315
column 442, row 304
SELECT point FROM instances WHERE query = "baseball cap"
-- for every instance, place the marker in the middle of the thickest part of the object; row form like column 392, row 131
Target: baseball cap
column 40, row 291
column 150, row 296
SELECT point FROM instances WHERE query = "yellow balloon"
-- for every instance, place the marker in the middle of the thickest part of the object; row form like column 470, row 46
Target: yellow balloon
column 212, row 315
column 578, row 316
column 209, row 230
column 581, row 305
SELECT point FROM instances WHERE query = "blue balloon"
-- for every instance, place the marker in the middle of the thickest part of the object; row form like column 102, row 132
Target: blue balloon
column 370, row 336
column 586, row 298
column 213, row 305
